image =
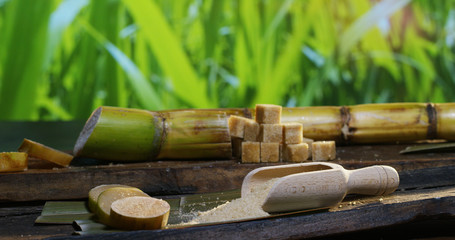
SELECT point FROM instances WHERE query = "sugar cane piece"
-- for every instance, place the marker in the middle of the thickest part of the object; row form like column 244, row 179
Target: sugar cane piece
column 271, row 133
column 38, row 150
column 268, row 114
column 292, row 133
column 13, row 161
column 308, row 141
column 107, row 197
column 236, row 147
column 296, row 152
column 270, row 152
column 236, row 126
column 139, row 213
column 251, row 152
column 95, row 192
column 252, row 131
column 323, row 150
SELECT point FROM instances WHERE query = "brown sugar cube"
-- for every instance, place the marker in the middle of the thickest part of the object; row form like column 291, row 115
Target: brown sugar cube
column 268, row 113
column 236, row 147
column 251, row 152
column 252, row 130
column 323, row 150
column 236, row 126
column 271, row 133
column 270, row 152
column 296, row 152
column 308, row 141
column 292, row 133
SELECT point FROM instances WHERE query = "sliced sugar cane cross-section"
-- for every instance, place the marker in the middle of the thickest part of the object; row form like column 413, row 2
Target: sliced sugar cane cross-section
column 323, row 150
column 296, row 152
column 95, row 192
column 38, row 150
column 270, row 152
column 268, row 113
column 139, row 213
column 292, row 133
column 251, row 152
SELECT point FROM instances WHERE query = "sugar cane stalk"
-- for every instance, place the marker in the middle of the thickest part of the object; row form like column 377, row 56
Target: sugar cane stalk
column 120, row 134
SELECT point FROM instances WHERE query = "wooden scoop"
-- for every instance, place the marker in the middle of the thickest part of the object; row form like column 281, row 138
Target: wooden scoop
column 318, row 184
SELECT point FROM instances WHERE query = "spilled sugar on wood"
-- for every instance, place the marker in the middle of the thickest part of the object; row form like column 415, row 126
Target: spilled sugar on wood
column 248, row 206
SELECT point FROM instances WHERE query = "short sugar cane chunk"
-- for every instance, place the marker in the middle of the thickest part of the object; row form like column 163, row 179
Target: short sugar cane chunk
column 268, row 114
column 252, row 131
column 292, row 133
column 251, row 152
column 236, row 126
column 13, row 161
column 323, row 150
column 270, row 152
column 38, row 150
column 296, row 152
column 271, row 133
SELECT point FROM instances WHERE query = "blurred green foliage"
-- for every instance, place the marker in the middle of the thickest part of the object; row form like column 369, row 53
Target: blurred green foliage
column 60, row 59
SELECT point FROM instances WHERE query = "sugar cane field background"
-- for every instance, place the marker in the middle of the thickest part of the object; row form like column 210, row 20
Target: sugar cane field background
column 60, row 59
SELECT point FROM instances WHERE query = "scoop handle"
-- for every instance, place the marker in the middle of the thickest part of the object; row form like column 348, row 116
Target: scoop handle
column 374, row 180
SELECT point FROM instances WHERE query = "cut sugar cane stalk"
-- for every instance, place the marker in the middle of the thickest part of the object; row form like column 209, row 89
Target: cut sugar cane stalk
column 13, row 161
column 139, row 135
column 38, row 150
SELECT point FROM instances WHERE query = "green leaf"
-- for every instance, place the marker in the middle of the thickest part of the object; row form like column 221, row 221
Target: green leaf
column 169, row 53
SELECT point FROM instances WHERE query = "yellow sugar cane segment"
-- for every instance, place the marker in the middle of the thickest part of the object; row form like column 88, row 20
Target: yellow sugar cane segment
column 196, row 134
column 38, row 150
column 13, row 161
column 445, row 115
column 107, row 197
column 319, row 123
column 370, row 123
column 139, row 213
column 95, row 192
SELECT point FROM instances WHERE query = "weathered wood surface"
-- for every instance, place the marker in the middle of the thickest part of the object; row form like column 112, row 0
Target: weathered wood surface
column 425, row 195
column 352, row 215
column 184, row 177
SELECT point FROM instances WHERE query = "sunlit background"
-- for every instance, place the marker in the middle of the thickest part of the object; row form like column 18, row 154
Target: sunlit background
column 60, row 59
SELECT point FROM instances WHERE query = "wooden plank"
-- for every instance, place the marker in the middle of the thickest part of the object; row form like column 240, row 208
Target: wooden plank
column 369, row 213
column 184, row 177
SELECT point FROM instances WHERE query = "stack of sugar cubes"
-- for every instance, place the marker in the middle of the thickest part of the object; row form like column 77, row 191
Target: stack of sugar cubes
column 266, row 139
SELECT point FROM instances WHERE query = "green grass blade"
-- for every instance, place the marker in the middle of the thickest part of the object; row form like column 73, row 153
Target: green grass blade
column 168, row 51
column 142, row 88
column 25, row 36
column 355, row 32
